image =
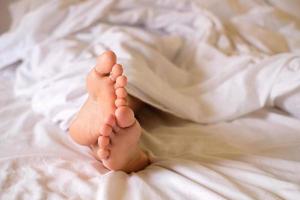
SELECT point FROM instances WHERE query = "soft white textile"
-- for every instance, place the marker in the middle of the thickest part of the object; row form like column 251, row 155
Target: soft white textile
column 181, row 51
column 255, row 157
column 205, row 61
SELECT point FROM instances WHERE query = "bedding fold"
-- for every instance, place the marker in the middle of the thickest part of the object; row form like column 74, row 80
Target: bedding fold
column 190, row 57
column 212, row 64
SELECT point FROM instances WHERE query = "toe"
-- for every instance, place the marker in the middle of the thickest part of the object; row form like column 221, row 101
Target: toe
column 116, row 129
column 103, row 141
column 116, row 71
column 121, row 102
column 103, row 153
column 105, row 63
column 121, row 93
column 121, row 81
column 106, row 130
column 125, row 116
column 111, row 120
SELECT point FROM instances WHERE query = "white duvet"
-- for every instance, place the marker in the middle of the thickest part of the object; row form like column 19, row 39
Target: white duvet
column 213, row 65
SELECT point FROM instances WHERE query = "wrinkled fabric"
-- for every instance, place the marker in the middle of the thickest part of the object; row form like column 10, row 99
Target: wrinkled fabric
column 217, row 66
column 216, row 70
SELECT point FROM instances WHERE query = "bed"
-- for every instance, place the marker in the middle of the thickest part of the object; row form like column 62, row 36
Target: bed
column 206, row 144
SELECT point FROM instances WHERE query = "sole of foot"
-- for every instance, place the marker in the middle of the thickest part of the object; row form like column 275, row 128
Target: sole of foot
column 106, row 121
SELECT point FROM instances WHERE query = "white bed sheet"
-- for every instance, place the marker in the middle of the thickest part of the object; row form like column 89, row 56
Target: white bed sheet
column 253, row 157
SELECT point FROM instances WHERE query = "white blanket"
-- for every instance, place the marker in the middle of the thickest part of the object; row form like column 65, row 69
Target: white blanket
column 205, row 61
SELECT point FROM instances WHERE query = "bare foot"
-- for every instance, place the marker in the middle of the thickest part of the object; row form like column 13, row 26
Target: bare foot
column 105, row 120
column 99, row 108
column 120, row 150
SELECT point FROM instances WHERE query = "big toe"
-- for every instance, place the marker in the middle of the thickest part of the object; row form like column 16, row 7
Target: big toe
column 125, row 116
column 105, row 62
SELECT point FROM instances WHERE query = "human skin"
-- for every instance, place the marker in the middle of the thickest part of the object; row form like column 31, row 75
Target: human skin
column 106, row 122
